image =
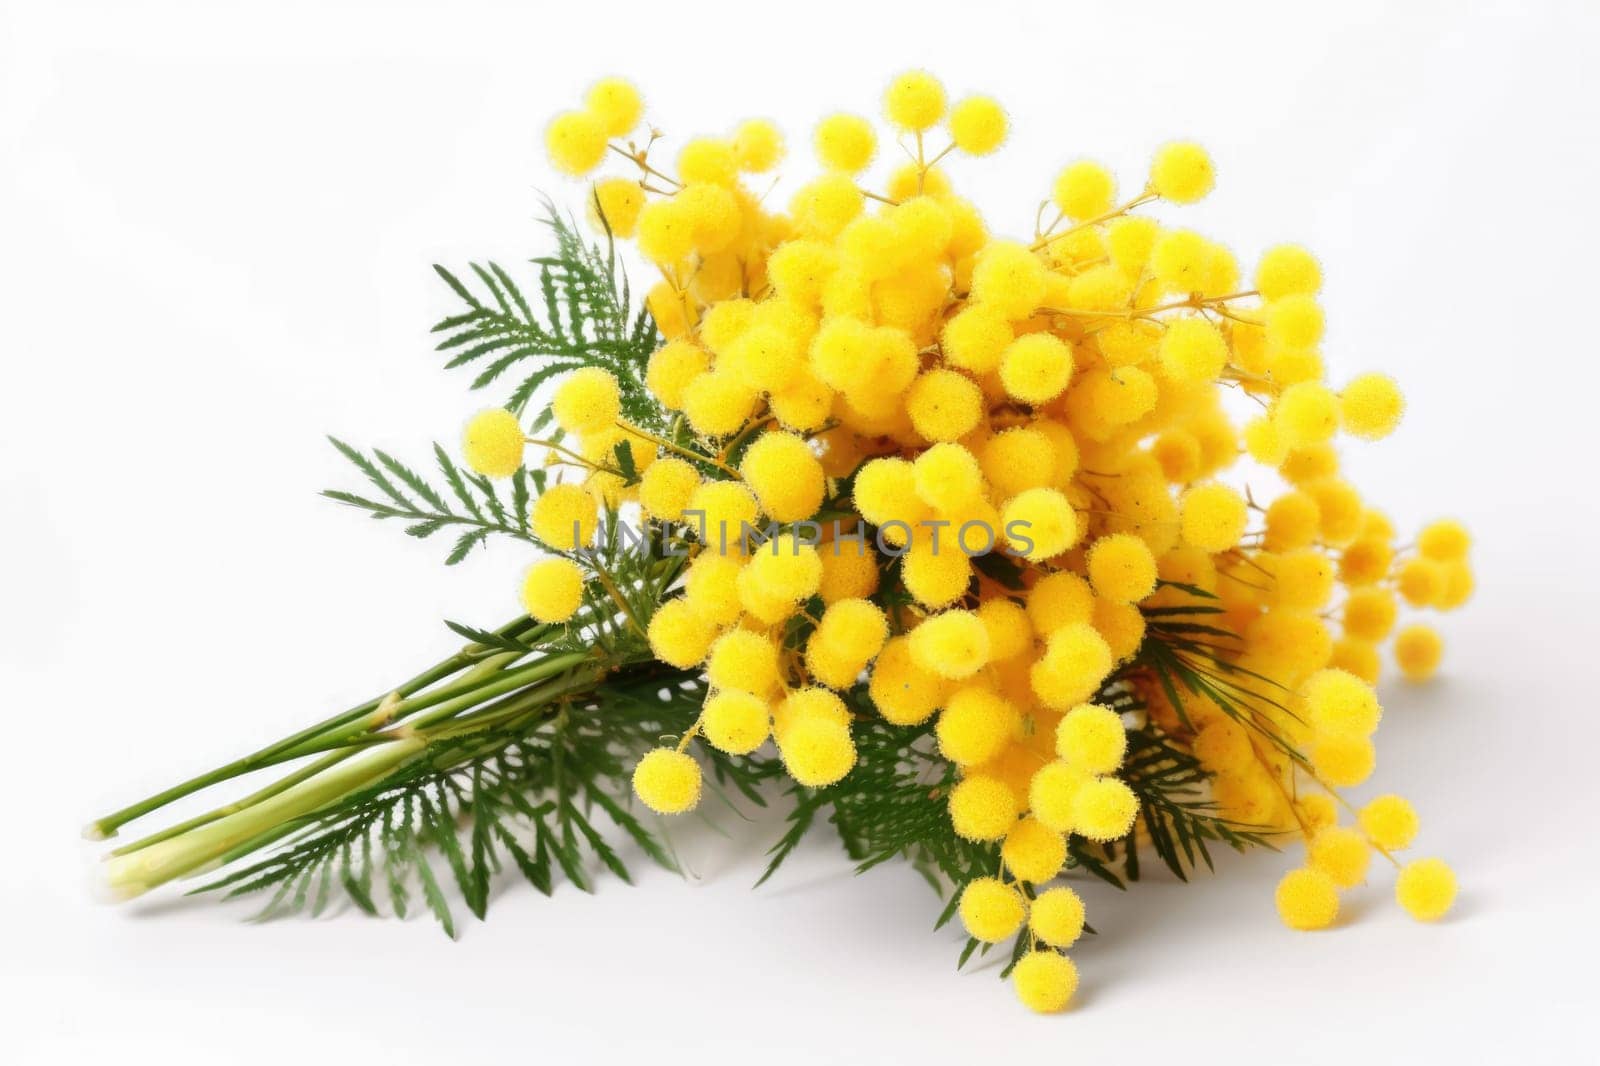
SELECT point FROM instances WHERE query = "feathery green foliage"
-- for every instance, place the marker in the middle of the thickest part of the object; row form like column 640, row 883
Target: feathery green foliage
column 581, row 316
column 469, row 503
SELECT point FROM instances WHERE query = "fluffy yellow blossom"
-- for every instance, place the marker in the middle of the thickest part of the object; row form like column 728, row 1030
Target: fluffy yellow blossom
column 1182, row 172
column 1084, row 190
column 914, row 101
column 978, row 125
column 1056, row 917
column 552, row 590
column 991, row 910
column 667, row 781
column 982, row 808
column 1426, row 888
column 493, row 443
column 1045, row 981
column 1418, row 649
column 1034, row 852
column 564, row 517
column 1307, row 899
column 615, row 104
column 1390, row 822
column 736, row 722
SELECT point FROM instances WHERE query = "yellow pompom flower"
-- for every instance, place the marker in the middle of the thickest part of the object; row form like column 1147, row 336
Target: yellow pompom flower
column 1056, row 917
column 1181, row 260
column 1103, row 808
column 1306, row 413
column 1343, row 761
column 1121, row 568
column 493, row 443
column 1342, row 854
column 671, row 370
column 735, row 722
column 723, row 509
column 615, row 104
column 1287, row 270
column 914, row 101
column 1294, row 322
column 785, row 475
column 1035, row 368
column 1212, row 517
column 1302, row 580
column 1040, row 523
column 707, row 160
column 975, row 338
column 886, row 491
column 1426, row 889
column 1084, row 190
column 845, row 143
column 1182, row 172
column 1359, row 657
column 982, row 808
column 903, row 692
column 947, row 477
column 1034, row 852
column 991, row 910
column 553, row 590
column 710, row 588
column 1365, row 561
column 588, row 400
column 718, row 404
column 1010, row 632
column 666, row 488
column 1445, row 541
column 679, row 636
column 1018, row 459
column 757, row 145
column 1009, row 278
column 1059, row 599
column 785, row 568
column 1421, row 581
column 564, row 517
column 1319, row 810
column 1418, row 650
column 1390, row 822
column 1192, row 351
column 1052, row 793
column 666, row 234
column 1340, row 704
column 1091, row 738
column 849, row 571
column 1307, row 899
column 617, row 203
column 936, row 578
column 744, row 660
column 575, row 142
column 978, row 125
column 667, row 781
column 1076, row 660
column 1045, row 981
column 975, row 725
column 1263, row 442
column 804, row 704
column 817, row 751
column 953, row 645
column 944, row 405
column 1371, row 406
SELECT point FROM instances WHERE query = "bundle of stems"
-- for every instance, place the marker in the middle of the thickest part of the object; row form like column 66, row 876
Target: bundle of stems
column 493, row 690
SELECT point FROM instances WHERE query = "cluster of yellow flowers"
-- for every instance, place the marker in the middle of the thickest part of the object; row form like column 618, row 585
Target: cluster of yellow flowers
column 1059, row 399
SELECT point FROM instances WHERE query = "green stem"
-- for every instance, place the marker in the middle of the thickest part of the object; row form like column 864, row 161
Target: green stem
column 133, row 875
column 304, row 742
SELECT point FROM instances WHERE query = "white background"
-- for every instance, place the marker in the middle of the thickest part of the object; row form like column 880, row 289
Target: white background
column 216, row 222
